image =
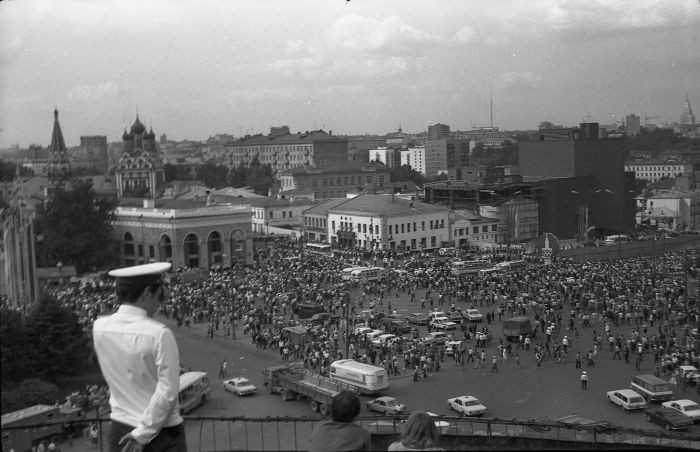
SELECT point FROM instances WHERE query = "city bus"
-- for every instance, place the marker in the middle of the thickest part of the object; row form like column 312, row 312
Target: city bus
column 194, row 390
column 318, row 248
column 460, row 267
column 368, row 379
column 511, row 265
column 346, row 274
column 367, row 274
column 619, row 238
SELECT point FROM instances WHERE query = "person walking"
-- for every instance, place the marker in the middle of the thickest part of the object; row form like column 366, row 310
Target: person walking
column 140, row 362
column 584, row 381
column 494, row 364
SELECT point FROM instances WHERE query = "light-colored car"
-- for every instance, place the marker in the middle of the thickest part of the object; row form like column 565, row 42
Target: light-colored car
column 385, row 405
column 362, row 330
column 372, row 335
column 627, row 399
column 473, row 315
column 443, row 323
column 451, row 346
column 384, row 339
column 240, row 386
column 436, row 337
column 417, row 318
column 433, row 314
column 467, row 405
column 687, row 407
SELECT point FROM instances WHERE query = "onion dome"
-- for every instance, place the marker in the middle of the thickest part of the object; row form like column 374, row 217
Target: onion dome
column 125, row 135
column 137, row 127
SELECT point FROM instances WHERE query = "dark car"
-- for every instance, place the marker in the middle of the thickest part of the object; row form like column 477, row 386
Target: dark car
column 668, row 418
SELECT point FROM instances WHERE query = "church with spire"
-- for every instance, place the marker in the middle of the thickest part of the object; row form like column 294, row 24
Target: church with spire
column 139, row 172
column 58, row 168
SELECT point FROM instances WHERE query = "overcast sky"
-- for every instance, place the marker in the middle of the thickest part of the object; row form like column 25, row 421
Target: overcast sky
column 197, row 68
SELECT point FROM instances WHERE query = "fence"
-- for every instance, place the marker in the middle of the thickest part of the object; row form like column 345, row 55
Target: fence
column 205, row 433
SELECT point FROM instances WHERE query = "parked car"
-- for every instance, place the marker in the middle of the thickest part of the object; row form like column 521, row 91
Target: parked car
column 455, row 317
column 627, row 399
column 372, row 335
column 467, row 405
column 690, row 373
column 417, row 318
column 240, row 386
column 443, row 323
column 436, row 337
column 433, row 314
column 473, row 315
column 686, row 407
column 362, row 330
column 385, row 405
column 451, row 346
column 668, row 418
column 385, row 339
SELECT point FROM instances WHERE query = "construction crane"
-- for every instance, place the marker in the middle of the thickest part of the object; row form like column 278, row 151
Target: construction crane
column 647, row 118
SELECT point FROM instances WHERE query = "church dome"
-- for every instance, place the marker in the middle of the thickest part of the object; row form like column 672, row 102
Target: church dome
column 137, row 127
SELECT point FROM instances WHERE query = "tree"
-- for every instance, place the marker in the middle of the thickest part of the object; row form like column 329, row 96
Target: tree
column 15, row 351
column 32, row 391
column 75, row 229
column 406, row 173
column 259, row 177
column 60, row 346
column 214, row 176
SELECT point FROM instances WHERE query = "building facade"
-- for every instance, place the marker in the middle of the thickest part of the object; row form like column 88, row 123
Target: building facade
column 438, row 131
column 334, row 180
column 632, row 124
column 95, row 148
column 277, row 212
column 139, row 171
column 655, row 170
column 670, row 209
column 283, row 150
column 469, row 229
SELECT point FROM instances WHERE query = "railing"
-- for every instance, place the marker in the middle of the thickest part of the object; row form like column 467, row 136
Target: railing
column 207, row 433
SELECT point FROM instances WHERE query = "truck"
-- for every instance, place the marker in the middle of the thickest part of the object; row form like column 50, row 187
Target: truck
column 294, row 382
column 514, row 327
column 22, row 429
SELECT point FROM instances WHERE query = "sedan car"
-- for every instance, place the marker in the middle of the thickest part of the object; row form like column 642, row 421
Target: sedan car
column 240, row 386
column 473, row 315
column 467, row 405
column 443, row 323
column 451, row 346
column 686, row 407
column 417, row 318
column 668, row 418
column 385, row 405
column 455, row 317
column 627, row 399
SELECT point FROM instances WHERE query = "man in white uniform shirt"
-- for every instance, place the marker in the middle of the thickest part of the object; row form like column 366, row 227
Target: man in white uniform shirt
column 140, row 362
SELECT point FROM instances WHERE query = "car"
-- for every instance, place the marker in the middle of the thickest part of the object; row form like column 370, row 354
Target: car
column 443, row 323
column 362, row 330
column 467, row 405
column 668, row 418
column 436, row 337
column 473, row 315
column 690, row 373
column 455, row 317
column 385, row 405
column 240, row 386
column 372, row 335
column 686, row 407
column 383, row 339
column 627, row 399
column 433, row 314
column 417, row 318
column 451, row 346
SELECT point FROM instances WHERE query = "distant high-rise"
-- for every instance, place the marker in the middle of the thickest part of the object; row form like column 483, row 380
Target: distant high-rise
column 58, row 168
column 687, row 121
column 95, row 148
column 632, row 124
column 438, row 131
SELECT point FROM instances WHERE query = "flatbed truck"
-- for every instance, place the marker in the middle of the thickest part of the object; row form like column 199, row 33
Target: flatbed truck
column 292, row 382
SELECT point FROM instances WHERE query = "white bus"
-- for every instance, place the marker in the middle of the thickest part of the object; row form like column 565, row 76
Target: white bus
column 460, row 267
column 368, row 379
column 318, row 247
column 511, row 265
column 346, row 274
column 194, row 390
column 367, row 274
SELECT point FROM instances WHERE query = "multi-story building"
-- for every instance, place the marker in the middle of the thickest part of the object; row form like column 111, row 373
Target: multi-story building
column 655, row 170
column 472, row 230
column 632, row 124
column 670, row 209
column 95, row 148
column 271, row 213
column 386, row 222
column 388, row 156
column 446, row 154
column 334, row 180
column 687, row 122
column 578, row 153
column 283, row 150
column 416, row 159
column 438, row 131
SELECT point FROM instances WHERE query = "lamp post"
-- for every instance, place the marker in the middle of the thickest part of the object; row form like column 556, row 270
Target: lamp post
column 583, row 219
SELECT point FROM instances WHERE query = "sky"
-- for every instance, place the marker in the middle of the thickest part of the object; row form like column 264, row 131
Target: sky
column 192, row 69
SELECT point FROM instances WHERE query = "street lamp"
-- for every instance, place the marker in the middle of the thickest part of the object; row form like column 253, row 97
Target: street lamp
column 583, row 218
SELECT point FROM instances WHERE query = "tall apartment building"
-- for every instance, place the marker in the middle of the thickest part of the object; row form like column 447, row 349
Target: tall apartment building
column 95, row 148
column 283, row 150
column 632, row 124
column 438, row 131
column 415, row 158
column 687, row 121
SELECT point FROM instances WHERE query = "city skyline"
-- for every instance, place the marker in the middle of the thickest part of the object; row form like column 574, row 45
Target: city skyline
column 194, row 69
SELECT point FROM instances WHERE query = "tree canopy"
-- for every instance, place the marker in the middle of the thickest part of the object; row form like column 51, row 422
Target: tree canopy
column 74, row 227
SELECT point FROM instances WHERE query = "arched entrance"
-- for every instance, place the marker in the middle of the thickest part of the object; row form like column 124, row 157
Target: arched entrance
column 238, row 248
column 165, row 249
column 191, row 243
column 215, row 253
column 129, row 250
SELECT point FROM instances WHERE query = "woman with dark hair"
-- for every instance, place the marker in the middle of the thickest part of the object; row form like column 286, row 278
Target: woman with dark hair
column 341, row 433
column 419, row 433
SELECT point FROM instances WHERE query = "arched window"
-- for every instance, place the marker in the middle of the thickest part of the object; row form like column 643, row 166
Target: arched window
column 214, row 249
column 165, row 249
column 129, row 250
column 191, row 250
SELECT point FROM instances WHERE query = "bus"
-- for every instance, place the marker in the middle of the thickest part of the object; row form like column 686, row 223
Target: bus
column 460, row 267
column 368, row 379
column 511, row 265
column 619, row 238
column 323, row 248
column 346, row 274
column 194, row 390
column 367, row 274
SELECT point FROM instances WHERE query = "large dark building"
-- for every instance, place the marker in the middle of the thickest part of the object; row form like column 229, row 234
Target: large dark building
column 95, row 148
column 596, row 167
